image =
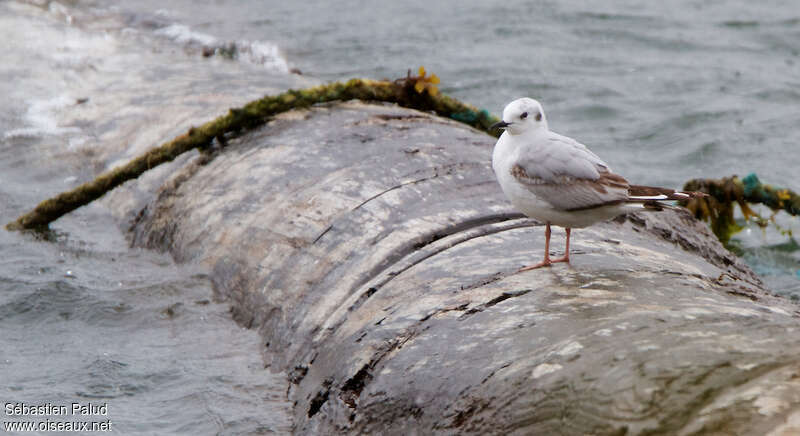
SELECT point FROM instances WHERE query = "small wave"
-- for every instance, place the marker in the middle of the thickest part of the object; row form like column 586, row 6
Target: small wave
column 264, row 53
column 41, row 120
column 256, row 52
column 185, row 35
column 162, row 24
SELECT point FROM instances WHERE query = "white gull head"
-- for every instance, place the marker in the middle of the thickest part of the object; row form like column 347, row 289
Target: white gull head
column 523, row 115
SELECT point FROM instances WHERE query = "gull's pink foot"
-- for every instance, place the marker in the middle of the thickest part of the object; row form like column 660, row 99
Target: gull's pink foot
column 547, row 261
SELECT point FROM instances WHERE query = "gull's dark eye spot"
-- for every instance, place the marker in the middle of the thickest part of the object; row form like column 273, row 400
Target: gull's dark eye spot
column 539, row 116
column 523, row 116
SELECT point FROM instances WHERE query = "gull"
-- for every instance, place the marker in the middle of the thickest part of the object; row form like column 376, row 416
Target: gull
column 558, row 181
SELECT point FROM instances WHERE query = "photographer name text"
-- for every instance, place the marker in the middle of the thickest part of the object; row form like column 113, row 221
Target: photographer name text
column 50, row 409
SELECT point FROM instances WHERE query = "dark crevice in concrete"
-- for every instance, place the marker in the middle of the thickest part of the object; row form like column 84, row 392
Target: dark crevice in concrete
column 389, row 117
column 459, row 308
column 362, row 298
column 744, row 292
column 491, row 374
column 506, row 295
column 297, row 374
column 500, row 298
column 390, row 189
column 352, row 388
column 327, row 229
column 320, row 398
column 483, row 281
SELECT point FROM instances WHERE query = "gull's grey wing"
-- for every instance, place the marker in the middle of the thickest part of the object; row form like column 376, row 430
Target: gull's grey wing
column 567, row 175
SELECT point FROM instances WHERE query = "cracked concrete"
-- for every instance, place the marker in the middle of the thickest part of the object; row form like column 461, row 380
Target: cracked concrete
column 384, row 281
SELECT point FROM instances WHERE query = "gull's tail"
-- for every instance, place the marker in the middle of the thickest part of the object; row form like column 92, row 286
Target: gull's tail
column 650, row 197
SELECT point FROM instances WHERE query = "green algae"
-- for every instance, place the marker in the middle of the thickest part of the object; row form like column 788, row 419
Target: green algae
column 725, row 193
column 417, row 92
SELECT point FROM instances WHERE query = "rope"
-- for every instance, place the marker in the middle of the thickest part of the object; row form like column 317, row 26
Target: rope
column 418, row 92
column 724, row 193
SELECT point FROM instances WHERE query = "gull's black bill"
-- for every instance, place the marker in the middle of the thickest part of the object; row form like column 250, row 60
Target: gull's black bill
column 499, row 125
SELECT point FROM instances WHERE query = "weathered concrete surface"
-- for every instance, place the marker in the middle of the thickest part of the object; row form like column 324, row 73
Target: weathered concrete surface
column 373, row 249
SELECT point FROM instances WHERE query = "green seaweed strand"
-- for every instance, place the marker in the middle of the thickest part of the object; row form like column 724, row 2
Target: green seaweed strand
column 724, row 193
column 249, row 116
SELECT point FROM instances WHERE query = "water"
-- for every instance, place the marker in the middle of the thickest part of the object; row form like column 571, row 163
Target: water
column 83, row 317
column 663, row 92
column 86, row 320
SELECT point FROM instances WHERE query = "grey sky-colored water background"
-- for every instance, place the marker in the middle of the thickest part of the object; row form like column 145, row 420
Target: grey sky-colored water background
column 662, row 91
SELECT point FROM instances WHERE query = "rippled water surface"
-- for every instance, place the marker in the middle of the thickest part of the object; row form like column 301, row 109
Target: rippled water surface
column 84, row 318
column 664, row 92
column 93, row 322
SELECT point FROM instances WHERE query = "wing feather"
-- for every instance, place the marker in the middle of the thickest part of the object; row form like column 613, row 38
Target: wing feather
column 564, row 173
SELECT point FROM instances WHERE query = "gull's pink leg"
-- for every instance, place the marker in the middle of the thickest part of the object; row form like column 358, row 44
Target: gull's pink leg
column 547, row 261
column 566, row 253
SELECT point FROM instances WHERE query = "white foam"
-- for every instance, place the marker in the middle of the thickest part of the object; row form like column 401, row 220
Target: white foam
column 256, row 52
column 184, row 34
column 41, row 119
column 263, row 53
